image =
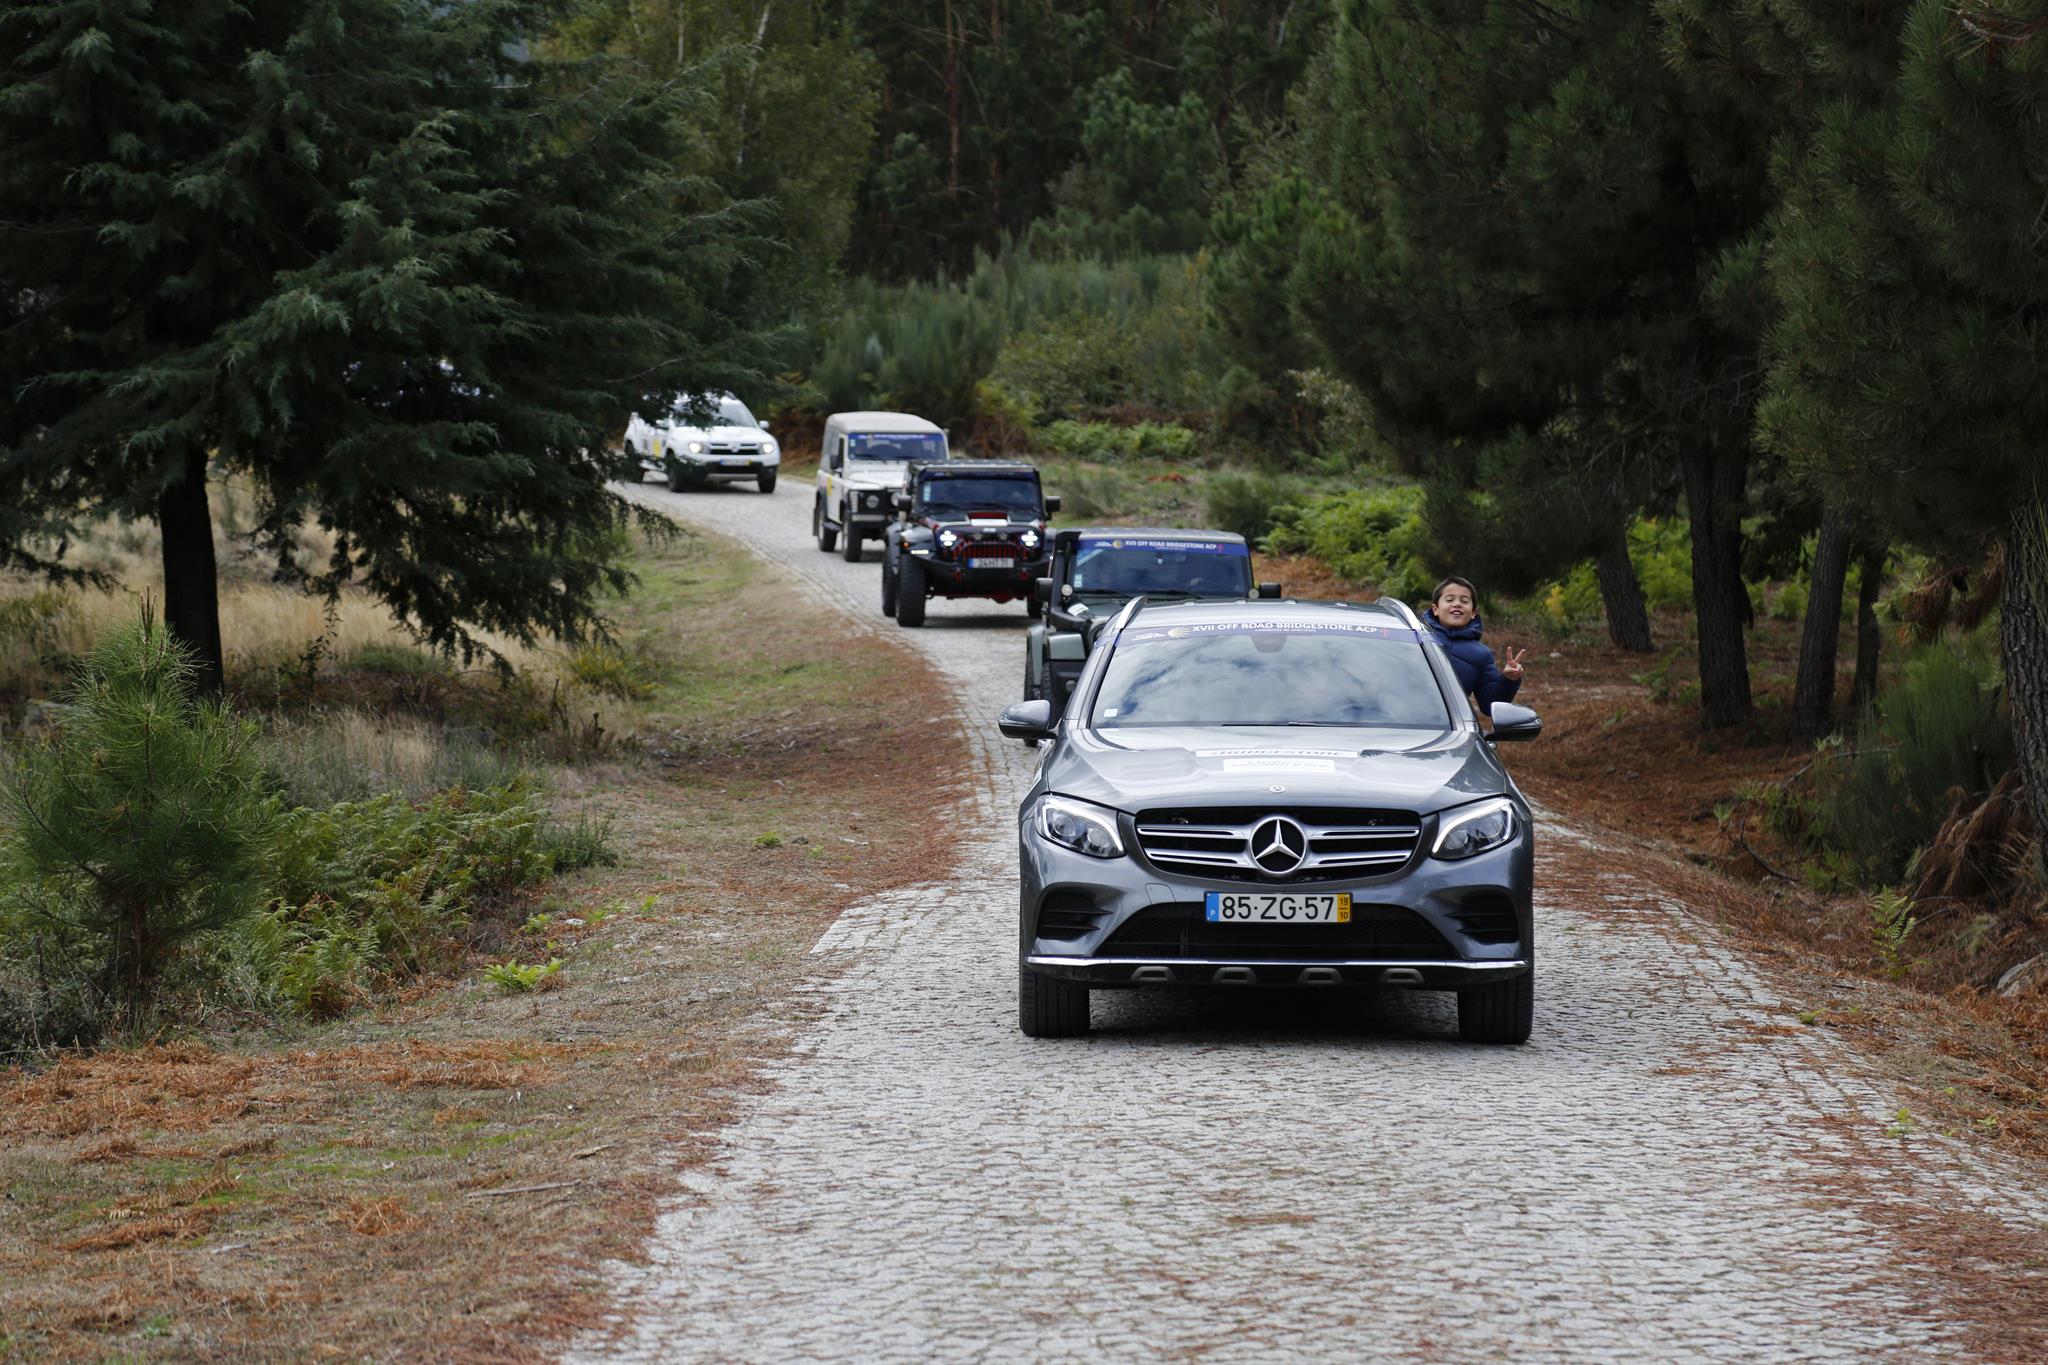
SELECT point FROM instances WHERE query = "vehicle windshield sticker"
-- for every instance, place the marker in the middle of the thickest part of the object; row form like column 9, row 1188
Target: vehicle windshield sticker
column 1275, row 753
column 1192, row 547
column 1279, row 765
column 1108, row 711
column 1152, row 635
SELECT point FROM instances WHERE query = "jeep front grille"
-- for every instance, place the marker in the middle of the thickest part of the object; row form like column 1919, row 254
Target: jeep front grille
column 990, row 549
column 1218, row 842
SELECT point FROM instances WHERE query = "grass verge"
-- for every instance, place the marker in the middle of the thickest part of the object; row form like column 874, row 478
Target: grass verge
column 443, row 1176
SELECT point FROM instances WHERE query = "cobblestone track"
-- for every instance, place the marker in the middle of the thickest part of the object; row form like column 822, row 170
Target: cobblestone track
column 1245, row 1177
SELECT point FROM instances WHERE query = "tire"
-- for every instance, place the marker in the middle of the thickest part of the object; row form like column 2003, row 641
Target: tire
column 1031, row 692
column 765, row 481
column 1501, row 1013
column 888, row 584
column 822, row 529
column 909, row 592
column 849, row 539
column 1034, row 608
column 1048, row 1007
column 678, row 482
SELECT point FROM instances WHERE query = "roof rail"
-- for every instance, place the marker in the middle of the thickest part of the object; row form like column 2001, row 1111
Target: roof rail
column 1408, row 612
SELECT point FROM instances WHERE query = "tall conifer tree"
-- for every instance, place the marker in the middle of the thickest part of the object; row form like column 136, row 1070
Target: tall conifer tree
column 366, row 254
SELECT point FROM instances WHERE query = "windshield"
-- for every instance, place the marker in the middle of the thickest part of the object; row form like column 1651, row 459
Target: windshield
column 909, row 445
column 965, row 495
column 725, row 412
column 1130, row 567
column 1270, row 673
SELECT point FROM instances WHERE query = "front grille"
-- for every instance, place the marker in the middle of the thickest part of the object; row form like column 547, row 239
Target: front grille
column 1489, row 919
column 1180, row 930
column 990, row 549
column 1068, row 915
column 1217, row 842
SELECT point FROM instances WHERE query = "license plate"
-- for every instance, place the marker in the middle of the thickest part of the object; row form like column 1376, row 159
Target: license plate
column 736, row 464
column 985, row 563
column 1273, row 907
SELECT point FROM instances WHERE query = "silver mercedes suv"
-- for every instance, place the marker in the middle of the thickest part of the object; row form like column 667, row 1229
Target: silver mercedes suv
column 1260, row 793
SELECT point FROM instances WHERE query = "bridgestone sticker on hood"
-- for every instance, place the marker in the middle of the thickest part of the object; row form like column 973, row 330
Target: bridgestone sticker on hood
column 1192, row 547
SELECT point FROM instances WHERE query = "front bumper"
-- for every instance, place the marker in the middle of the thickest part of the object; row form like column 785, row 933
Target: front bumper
column 947, row 578
column 1431, row 924
column 715, row 467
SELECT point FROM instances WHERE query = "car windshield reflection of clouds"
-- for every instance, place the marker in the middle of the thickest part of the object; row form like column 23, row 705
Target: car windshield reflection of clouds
column 722, row 412
column 1130, row 571
column 1368, row 676
column 912, row 445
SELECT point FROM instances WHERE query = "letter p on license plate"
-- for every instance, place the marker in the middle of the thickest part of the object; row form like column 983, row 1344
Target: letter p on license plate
column 1277, row 907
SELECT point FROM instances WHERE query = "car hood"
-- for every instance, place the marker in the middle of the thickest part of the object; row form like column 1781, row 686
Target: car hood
column 878, row 474
column 719, row 434
column 1418, row 770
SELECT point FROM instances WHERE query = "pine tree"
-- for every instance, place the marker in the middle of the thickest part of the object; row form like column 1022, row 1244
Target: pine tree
column 1914, row 287
column 368, row 254
column 1538, row 275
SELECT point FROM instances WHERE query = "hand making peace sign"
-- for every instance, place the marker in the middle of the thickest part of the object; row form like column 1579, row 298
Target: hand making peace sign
column 1513, row 667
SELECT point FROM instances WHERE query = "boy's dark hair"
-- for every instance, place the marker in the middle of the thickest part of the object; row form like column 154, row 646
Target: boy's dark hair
column 1436, row 594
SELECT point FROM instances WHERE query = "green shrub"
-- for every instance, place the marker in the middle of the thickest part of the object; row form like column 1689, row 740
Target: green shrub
column 1249, row 504
column 612, row 673
column 1662, row 552
column 1103, row 442
column 371, row 892
column 1941, row 727
column 1372, row 537
column 922, row 348
column 141, row 822
column 1094, row 494
column 1789, row 603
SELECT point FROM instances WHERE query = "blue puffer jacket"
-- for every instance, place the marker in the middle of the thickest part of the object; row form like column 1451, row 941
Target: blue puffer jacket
column 1472, row 662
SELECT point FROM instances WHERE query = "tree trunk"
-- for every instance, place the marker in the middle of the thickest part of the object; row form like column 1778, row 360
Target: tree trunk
column 1813, row 691
column 1869, row 639
column 1714, row 482
column 1621, row 595
column 2023, row 642
column 191, row 577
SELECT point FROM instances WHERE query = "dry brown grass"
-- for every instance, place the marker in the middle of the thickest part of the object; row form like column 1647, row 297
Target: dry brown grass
column 415, row 1144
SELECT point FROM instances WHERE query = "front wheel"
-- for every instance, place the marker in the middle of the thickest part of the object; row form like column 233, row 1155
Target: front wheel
column 1500, row 1013
column 680, row 481
column 765, row 481
column 821, row 528
column 1050, row 1007
column 849, row 539
column 1034, row 608
column 888, row 584
column 909, row 592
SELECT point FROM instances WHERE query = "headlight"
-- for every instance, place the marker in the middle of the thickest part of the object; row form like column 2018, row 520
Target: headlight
column 1080, row 825
column 695, row 447
column 871, row 500
column 764, row 447
column 1030, row 540
column 1475, row 828
column 948, row 539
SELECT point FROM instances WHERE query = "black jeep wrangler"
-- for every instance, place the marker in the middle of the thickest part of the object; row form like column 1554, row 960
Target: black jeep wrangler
column 966, row 528
column 1096, row 569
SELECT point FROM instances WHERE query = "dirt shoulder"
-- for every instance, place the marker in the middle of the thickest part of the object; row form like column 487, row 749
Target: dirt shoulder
column 444, row 1176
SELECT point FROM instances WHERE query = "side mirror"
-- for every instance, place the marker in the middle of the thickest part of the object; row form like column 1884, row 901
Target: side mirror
column 1052, row 503
column 1514, row 722
column 1269, row 591
column 1042, row 589
column 900, row 501
column 1026, row 720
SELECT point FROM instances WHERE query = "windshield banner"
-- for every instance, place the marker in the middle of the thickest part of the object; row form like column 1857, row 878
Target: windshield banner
column 1152, row 635
column 1192, row 547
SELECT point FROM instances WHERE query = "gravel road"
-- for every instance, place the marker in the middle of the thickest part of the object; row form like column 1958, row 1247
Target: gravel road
column 1658, row 1175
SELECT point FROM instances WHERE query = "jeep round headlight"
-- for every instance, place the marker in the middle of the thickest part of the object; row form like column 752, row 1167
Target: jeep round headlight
column 1080, row 825
column 948, row 539
column 1474, row 829
column 1029, row 539
column 871, row 500
column 695, row 447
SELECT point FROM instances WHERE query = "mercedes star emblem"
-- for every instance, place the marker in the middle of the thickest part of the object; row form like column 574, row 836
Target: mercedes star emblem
column 1279, row 845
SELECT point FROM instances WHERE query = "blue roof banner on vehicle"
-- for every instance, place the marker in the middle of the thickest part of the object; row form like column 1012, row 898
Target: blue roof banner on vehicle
column 1196, row 547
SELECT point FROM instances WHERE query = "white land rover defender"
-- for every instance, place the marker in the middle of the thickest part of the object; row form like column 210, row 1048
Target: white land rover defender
column 862, row 465
column 731, row 443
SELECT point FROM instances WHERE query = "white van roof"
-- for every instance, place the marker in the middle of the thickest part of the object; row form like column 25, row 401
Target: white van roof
column 881, row 421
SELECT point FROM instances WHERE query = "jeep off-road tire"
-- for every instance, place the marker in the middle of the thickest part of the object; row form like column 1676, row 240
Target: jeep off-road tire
column 822, row 529
column 888, row 583
column 1500, row 1013
column 680, row 481
column 1034, row 608
column 849, row 539
column 765, row 481
column 1031, row 689
column 1050, row 1007
column 909, row 592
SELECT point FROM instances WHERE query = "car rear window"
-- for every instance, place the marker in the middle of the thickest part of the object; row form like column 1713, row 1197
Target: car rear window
column 1269, row 673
